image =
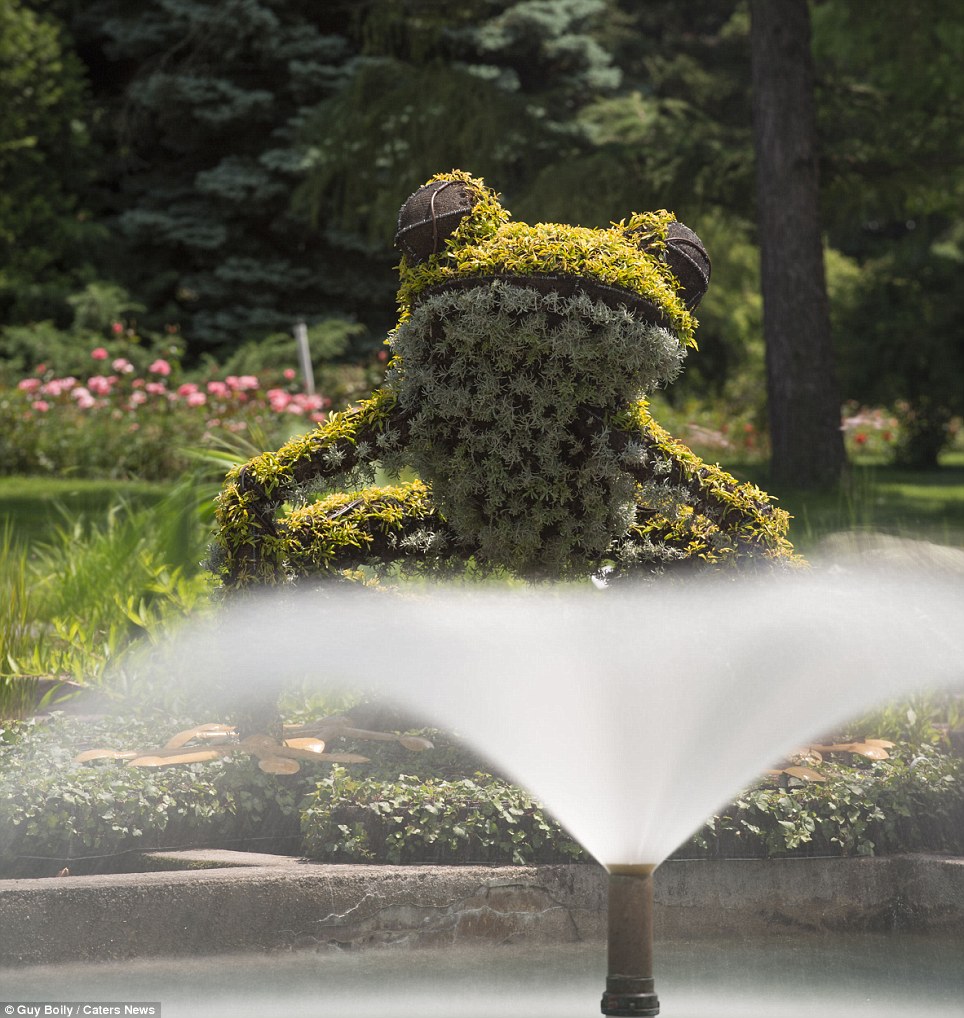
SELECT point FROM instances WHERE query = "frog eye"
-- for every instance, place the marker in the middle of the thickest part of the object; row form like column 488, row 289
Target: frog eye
column 431, row 215
column 688, row 261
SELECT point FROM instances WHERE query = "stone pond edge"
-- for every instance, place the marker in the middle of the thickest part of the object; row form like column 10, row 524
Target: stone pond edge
column 214, row 902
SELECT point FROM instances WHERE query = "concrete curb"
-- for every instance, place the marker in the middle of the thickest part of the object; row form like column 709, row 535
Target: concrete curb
column 233, row 901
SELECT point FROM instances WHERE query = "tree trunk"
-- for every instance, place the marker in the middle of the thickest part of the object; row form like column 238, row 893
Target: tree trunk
column 804, row 404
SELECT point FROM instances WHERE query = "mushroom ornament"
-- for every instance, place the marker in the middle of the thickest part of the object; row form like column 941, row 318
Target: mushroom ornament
column 515, row 400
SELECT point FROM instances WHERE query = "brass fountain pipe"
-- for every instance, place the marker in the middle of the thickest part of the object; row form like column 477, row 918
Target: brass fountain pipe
column 629, row 981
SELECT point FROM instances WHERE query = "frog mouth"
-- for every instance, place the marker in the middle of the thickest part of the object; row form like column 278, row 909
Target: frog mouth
column 563, row 285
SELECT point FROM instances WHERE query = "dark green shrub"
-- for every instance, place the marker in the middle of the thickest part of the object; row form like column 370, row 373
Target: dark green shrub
column 469, row 820
column 55, row 813
column 912, row 802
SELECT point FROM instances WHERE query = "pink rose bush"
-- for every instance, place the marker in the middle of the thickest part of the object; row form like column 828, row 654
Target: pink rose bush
column 160, row 367
column 133, row 423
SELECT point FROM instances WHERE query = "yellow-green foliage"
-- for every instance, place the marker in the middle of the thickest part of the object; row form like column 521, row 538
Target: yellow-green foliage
column 694, row 510
column 250, row 545
column 487, row 243
column 522, row 411
column 346, row 530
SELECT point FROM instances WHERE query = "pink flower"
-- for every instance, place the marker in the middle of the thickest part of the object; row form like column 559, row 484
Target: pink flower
column 29, row 384
column 41, row 406
column 160, row 367
column 242, row 383
column 83, row 398
column 99, row 353
column 196, row 399
column 218, row 389
column 99, row 385
column 313, row 402
column 278, row 400
column 289, row 373
column 186, row 389
column 123, row 365
column 117, row 328
column 155, row 388
column 40, row 369
column 57, row 386
column 136, row 399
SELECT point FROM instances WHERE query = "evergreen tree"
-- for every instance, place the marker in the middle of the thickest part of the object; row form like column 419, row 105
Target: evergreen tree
column 45, row 162
column 206, row 99
column 677, row 135
column 493, row 86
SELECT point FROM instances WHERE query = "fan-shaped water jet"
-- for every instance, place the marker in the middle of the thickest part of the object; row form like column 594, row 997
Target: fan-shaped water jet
column 633, row 714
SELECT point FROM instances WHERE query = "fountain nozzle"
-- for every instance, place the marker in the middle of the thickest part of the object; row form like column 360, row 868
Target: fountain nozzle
column 629, row 981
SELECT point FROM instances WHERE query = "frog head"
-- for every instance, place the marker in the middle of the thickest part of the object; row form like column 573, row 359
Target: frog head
column 519, row 348
column 454, row 232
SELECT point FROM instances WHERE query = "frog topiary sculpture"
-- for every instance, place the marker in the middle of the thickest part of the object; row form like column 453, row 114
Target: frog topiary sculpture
column 516, row 394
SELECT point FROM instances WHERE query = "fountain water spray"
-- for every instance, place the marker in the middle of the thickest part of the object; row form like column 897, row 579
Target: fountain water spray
column 633, row 714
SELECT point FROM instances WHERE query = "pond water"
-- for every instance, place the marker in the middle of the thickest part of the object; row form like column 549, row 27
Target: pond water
column 778, row 977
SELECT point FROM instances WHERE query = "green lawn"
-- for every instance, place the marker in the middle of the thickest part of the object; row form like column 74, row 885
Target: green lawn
column 34, row 506
column 927, row 505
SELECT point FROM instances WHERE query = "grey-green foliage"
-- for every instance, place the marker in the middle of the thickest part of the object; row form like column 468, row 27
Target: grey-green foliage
column 54, row 812
column 507, row 392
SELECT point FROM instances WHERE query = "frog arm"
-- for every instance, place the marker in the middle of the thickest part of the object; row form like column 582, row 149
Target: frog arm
column 374, row 527
column 688, row 510
column 247, row 541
